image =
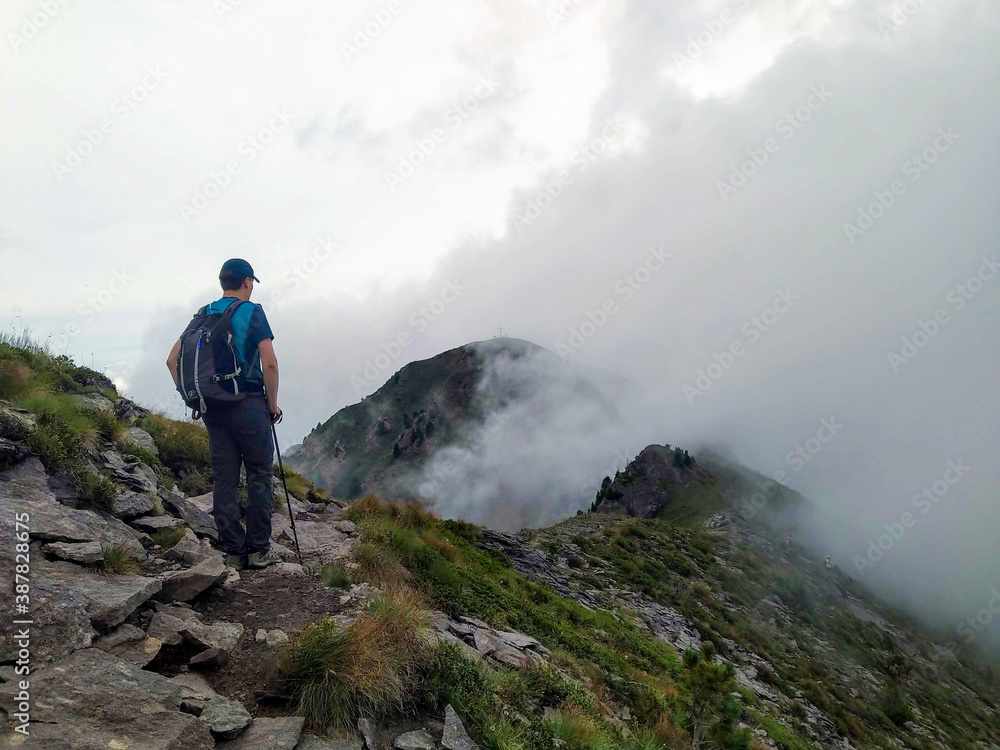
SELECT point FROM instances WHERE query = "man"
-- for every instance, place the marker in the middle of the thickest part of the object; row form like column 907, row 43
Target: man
column 240, row 431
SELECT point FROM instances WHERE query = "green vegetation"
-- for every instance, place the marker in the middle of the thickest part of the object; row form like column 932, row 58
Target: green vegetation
column 336, row 576
column 368, row 668
column 167, row 538
column 118, row 560
column 302, row 489
column 96, row 491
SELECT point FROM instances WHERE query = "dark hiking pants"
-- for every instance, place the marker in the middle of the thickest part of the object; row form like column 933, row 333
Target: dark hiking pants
column 238, row 433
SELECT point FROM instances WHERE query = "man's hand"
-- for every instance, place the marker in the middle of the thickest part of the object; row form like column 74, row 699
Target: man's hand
column 172, row 362
column 276, row 413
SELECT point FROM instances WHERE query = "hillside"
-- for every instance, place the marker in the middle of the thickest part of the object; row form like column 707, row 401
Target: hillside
column 383, row 443
column 696, row 628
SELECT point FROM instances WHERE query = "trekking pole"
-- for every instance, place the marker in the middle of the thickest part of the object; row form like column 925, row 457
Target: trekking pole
column 291, row 515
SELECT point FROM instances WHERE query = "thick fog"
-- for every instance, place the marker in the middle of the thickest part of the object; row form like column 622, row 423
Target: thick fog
column 777, row 219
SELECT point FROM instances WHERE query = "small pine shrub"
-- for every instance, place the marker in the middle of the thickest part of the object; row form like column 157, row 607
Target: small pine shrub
column 895, row 705
column 96, row 491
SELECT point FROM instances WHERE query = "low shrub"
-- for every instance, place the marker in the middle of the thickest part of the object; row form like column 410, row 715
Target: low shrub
column 367, row 669
column 167, row 538
column 118, row 560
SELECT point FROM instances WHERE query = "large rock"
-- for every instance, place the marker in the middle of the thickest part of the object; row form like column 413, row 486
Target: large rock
column 168, row 622
column 225, row 718
column 142, row 438
column 109, row 598
column 455, row 737
column 224, row 635
column 130, row 644
column 26, row 489
column 312, row 742
column 82, row 553
column 135, row 474
column 61, row 623
column 212, row 658
column 368, row 733
column 185, row 585
column 94, row 401
column 196, row 512
column 131, row 504
column 12, row 452
column 154, row 524
column 268, row 734
column 195, row 692
column 15, row 424
column 94, row 701
column 190, row 551
column 418, row 739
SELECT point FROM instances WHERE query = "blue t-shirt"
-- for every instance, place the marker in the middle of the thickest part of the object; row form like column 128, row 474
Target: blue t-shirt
column 250, row 327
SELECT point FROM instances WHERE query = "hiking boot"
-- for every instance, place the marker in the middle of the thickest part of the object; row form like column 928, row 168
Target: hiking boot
column 237, row 561
column 263, row 559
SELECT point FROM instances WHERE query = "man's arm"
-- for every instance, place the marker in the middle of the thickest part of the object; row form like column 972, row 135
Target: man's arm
column 269, row 364
column 172, row 361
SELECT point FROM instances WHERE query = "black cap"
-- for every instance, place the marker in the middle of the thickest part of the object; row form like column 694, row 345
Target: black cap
column 239, row 268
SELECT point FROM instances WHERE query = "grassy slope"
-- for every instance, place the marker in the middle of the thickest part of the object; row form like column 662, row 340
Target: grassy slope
column 46, row 386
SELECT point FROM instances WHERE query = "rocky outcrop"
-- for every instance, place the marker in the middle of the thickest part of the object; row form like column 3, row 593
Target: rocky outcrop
column 195, row 692
column 480, row 640
column 196, row 512
column 185, row 585
column 455, row 737
column 82, row 553
column 268, row 734
column 131, row 504
column 130, row 644
column 225, row 718
column 649, row 483
column 93, row 701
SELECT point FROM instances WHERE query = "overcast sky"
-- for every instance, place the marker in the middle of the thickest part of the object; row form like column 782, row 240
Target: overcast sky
column 744, row 206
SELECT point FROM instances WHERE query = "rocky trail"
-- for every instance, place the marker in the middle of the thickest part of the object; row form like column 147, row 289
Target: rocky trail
column 177, row 651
